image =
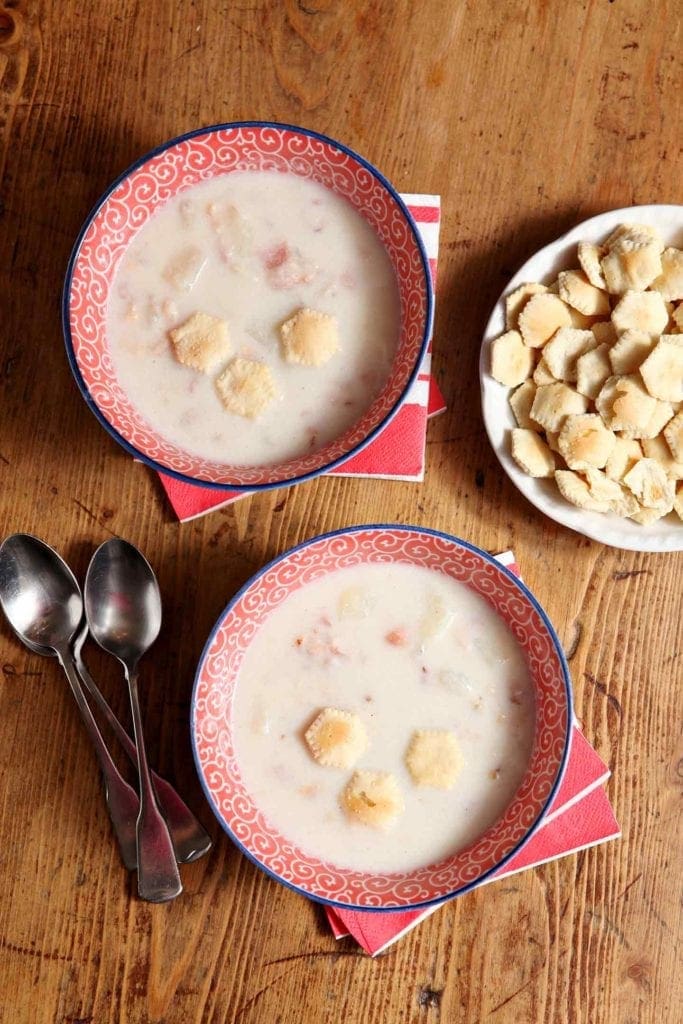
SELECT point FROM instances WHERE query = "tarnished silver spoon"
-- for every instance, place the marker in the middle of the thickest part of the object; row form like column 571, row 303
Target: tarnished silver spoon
column 123, row 609
column 42, row 601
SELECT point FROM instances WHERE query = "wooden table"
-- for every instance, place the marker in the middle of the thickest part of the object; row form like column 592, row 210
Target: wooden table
column 525, row 117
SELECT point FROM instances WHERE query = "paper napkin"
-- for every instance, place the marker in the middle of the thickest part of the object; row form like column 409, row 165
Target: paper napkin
column 398, row 453
column 579, row 816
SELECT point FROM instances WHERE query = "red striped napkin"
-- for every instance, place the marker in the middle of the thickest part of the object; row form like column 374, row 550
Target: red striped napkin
column 398, row 453
column 579, row 816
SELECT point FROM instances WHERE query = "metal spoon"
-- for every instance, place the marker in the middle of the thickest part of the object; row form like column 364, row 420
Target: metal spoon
column 190, row 839
column 42, row 601
column 123, row 609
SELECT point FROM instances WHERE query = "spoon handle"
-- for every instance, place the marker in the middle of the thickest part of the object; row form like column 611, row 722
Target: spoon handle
column 158, row 876
column 122, row 800
column 190, row 839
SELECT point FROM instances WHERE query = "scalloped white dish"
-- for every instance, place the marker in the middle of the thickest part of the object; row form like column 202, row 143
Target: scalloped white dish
column 664, row 535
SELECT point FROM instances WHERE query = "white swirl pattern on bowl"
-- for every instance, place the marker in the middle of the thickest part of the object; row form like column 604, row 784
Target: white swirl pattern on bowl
column 215, row 686
column 200, row 158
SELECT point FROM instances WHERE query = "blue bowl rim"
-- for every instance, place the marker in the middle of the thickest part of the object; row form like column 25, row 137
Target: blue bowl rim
column 289, row 481
column 567, row 740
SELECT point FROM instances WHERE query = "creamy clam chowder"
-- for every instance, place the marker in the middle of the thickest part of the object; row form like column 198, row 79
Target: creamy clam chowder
column 204, row 320
column 435, row 704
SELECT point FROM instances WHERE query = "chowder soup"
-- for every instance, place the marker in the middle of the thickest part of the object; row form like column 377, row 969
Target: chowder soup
column 250, row 250
column 398, row 649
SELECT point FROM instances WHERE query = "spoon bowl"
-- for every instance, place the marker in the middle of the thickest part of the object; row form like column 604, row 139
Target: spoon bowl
column 38, row 592
column 122, row 601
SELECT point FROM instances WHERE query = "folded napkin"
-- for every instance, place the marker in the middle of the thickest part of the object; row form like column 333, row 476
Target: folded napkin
column 579, row 816
column 398, row 452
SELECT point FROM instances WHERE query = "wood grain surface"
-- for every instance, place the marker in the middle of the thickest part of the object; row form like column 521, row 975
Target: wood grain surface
column 525, row 117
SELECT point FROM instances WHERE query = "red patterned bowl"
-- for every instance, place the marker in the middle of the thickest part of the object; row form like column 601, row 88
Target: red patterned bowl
column 198, row 156
column 218, row 676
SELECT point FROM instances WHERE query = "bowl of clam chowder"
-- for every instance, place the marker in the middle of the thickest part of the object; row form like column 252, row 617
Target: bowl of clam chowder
column 247, row 306
column 381, row 717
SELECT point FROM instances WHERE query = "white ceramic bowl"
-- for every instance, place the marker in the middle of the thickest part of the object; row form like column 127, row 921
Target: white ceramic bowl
column 664, row 535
